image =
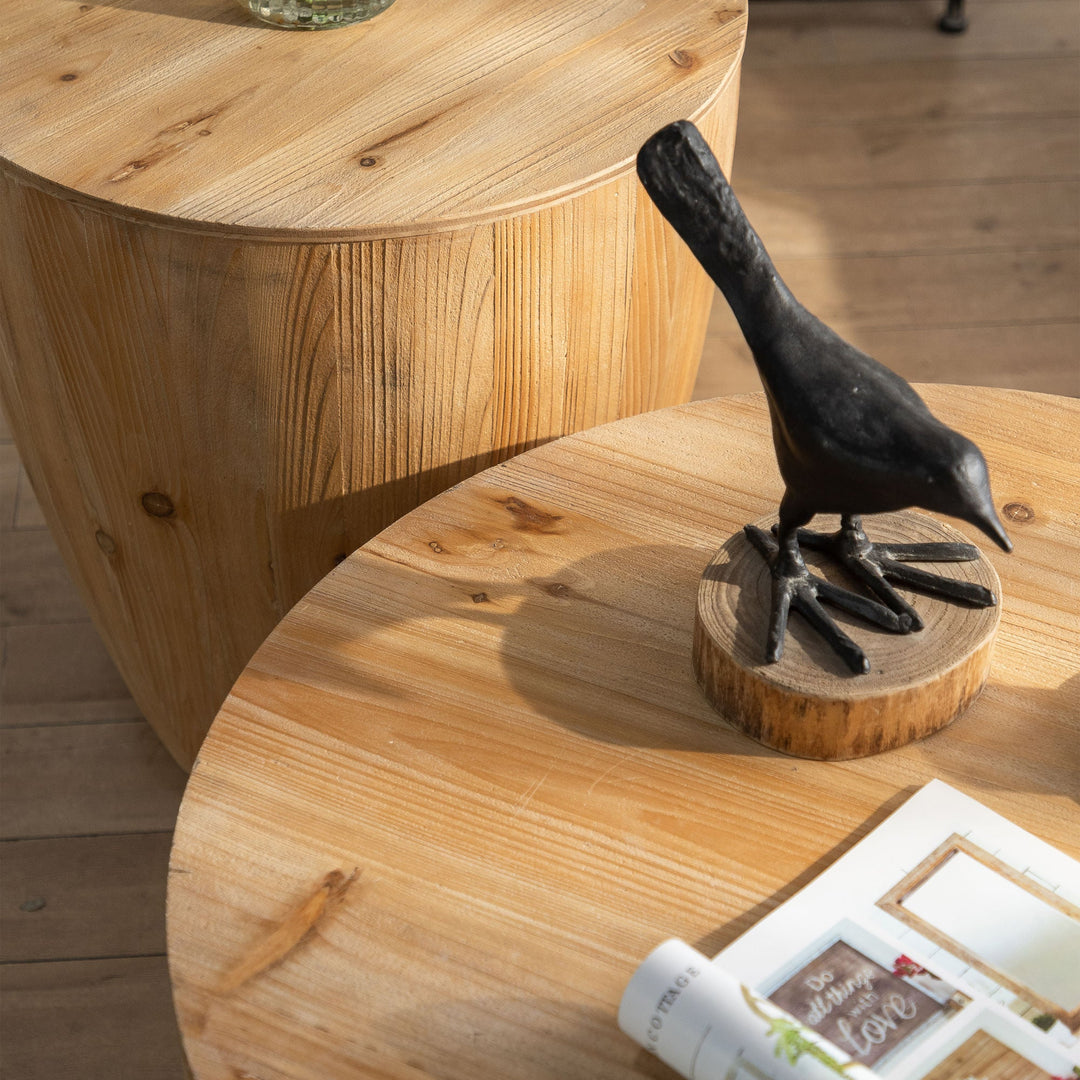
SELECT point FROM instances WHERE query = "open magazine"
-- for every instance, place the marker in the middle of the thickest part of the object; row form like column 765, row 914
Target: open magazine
column 943, row 946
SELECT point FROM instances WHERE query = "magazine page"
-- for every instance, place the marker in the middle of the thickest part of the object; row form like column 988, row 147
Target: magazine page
column 705, row 1024
column 943, row 946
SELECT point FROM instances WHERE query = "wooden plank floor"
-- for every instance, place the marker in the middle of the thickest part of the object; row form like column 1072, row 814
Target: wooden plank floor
column 918, row 191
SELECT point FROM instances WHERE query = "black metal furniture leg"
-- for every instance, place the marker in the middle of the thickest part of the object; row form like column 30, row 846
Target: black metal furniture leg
column 954, row 21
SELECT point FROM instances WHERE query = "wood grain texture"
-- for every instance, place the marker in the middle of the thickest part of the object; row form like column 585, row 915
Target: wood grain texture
column 226, row 371
column 808, row 704
column 63, row 781
column 59, row 673
column 983, row 1056
column 940, row 289
column 1033, row 357
column 94, row 1019
column 957, row 217
column 41, row 592
column 870, row 91
column 911, row 149
column 9, row 484
column 1028, row 356
column 404, row 124
column 89, row 897
column 867, row 106
column 489, row 712
column 896, row 31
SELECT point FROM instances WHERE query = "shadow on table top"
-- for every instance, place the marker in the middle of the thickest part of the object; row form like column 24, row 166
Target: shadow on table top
column 213, row 11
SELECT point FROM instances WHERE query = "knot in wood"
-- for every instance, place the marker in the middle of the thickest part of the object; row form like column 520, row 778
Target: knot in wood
column 105, row 542
column 1018, row 512
column 157, row 504
column 529, row 518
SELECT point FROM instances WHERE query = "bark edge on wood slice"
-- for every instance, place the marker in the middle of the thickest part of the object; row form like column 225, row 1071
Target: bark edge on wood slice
column 808, row 704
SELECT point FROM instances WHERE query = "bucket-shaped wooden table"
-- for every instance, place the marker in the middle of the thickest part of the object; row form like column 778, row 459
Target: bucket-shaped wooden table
column 264, row 291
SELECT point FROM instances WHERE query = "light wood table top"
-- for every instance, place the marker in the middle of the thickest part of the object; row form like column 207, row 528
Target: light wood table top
column 469, row 782
column 267, row 290
column 427, row 117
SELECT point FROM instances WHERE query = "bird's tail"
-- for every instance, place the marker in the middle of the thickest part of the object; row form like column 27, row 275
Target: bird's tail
column 685, row 181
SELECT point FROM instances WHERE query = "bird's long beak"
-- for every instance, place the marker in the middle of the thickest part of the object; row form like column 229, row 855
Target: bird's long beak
column 991, row 525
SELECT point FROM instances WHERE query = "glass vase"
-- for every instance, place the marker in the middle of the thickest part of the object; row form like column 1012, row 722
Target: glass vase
column 314, row 14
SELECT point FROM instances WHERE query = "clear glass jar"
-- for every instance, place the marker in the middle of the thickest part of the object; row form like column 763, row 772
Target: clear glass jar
column 314, row 14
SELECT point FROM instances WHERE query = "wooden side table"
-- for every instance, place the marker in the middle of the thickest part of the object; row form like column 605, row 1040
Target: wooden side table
column 469, row 782
column 265, row 291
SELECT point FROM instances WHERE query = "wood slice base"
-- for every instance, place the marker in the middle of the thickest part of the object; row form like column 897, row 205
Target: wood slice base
column 808, row 704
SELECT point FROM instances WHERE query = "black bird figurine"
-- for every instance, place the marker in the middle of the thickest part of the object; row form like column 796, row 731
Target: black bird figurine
column 851, row 436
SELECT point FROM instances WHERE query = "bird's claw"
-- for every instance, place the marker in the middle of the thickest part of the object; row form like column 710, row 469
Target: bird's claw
column 802, row 596
column 795, row 587
column 876, row 565
column 935, row 552
column 965, row 592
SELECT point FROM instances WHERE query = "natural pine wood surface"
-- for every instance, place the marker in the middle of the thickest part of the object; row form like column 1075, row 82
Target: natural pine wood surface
column 337, row 274
column 422, row 126
column 475, row 762
column 86, row 995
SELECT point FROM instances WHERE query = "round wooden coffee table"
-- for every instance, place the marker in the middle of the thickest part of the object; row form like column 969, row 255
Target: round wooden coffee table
column 266, row 290
column 469, row 782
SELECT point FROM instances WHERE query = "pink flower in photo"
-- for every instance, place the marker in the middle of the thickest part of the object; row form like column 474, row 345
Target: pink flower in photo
column 906, row 967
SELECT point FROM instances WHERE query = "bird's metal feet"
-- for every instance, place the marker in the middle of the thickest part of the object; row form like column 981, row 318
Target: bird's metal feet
column 794, row 587
column 876, row 565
